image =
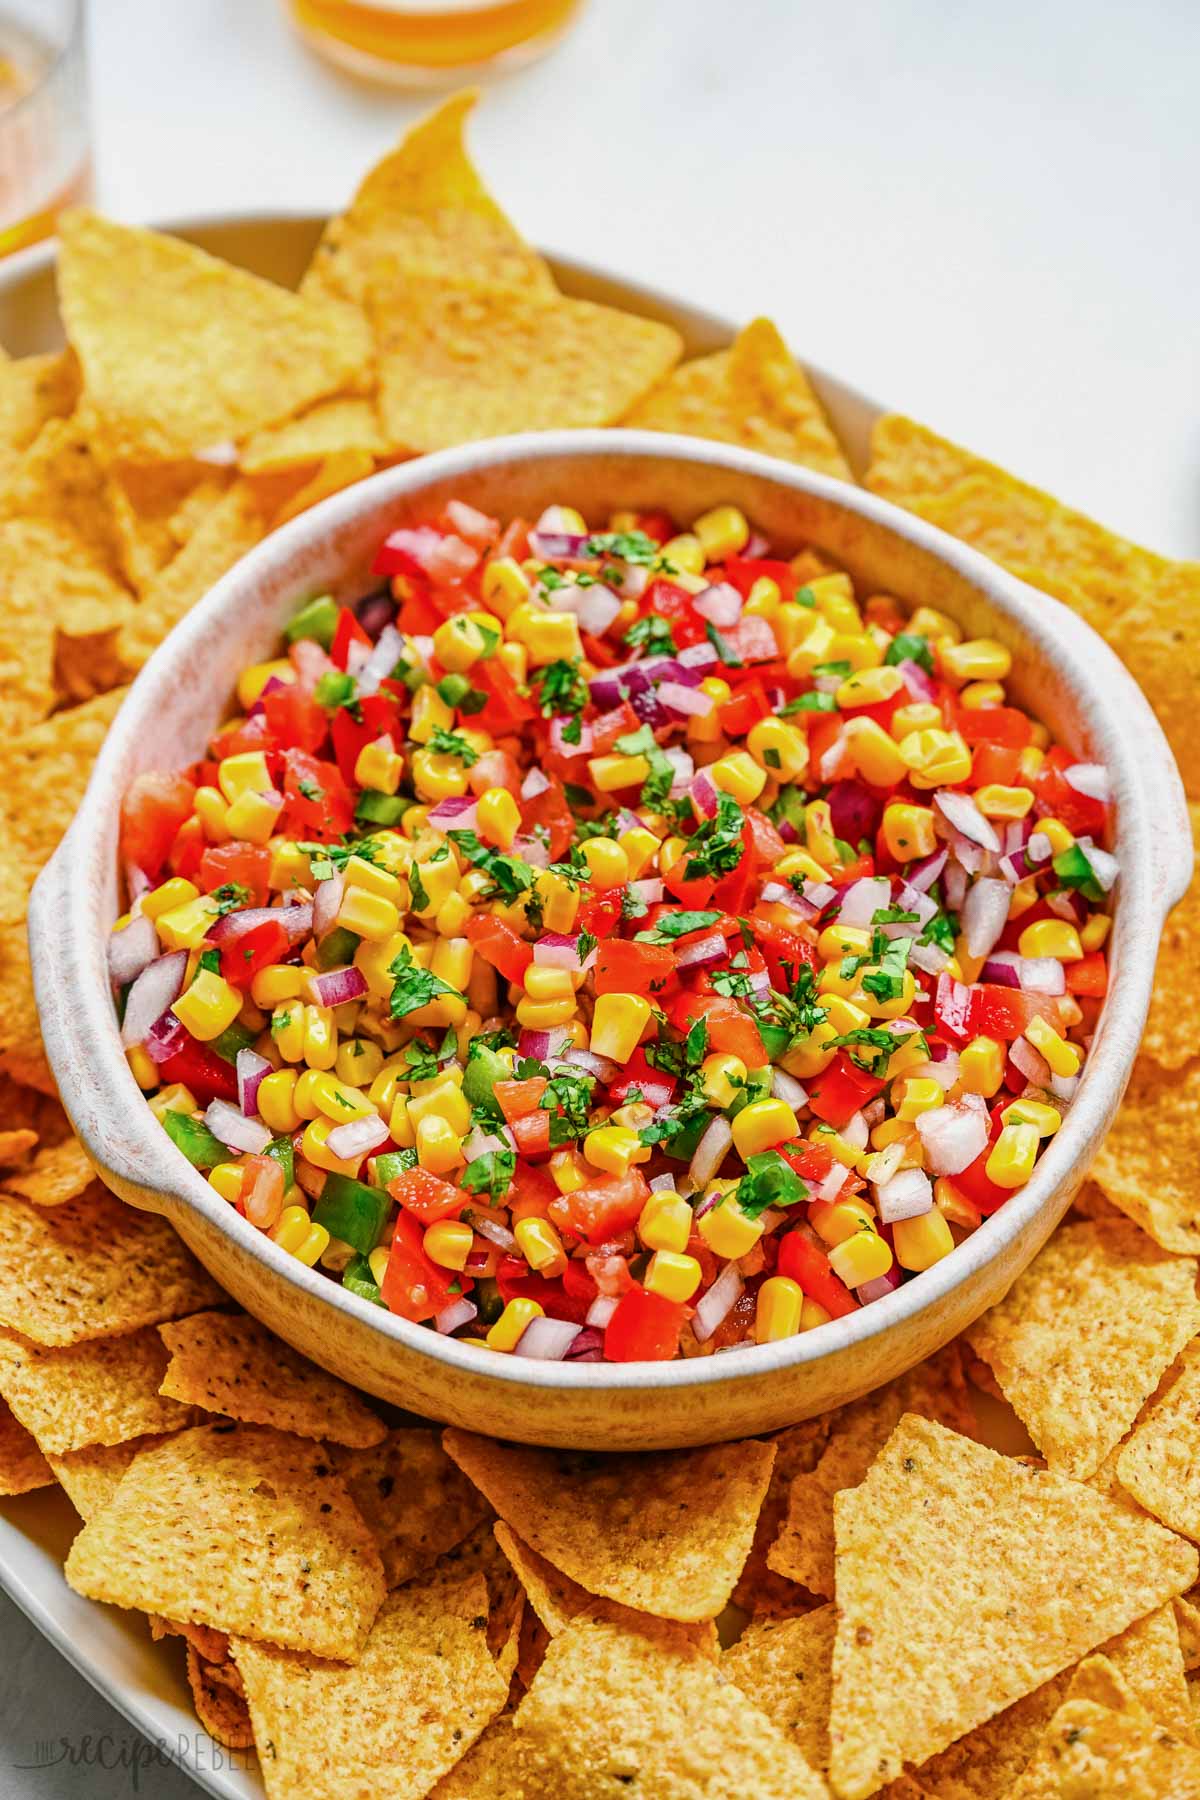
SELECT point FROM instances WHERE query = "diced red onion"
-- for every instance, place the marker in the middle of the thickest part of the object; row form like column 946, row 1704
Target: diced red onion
column 606, row 687
column 601, row 1310
column 252, row 1069
column 699, row 656
column 875, row 1111
column 1039, row 849
column 662, row 1184
column 589, row 1343
column 233, row 1128
column 1029, row 1062
column 855, row 1132
column 1036, row 974
column 1103, row 866
column 336, row 986
column 785, row 1087
column 459, row 812
column 1017, row 834
column 533, row 851
column 165, row 1038
column 383, row 659
column 467, row 522
column 911, row 899
column 1091, row 779
column 716, row 1305
column 954, row 884
column 953, row 1136
column 649, row 709
column 1068, row 904
column 720, row 604
column 553, row 950
column 831, row 1183
column 547, row 1340
column 495, row 1234
column 327, row 903
column 922, row 875
column 683, row 764
column 602, row 1067
column 1063, row 1086
column 296, row 919
column 835, row 761
column 357, row 1137
column 710, row 1151
column 536, row 782
column 703, row 953
column 854, row 810
column 756, row 545
column 649, row 889
column 918, row 682
column 137, row 882
column 961, row 812
column 460, row 1312
column 542, row 1045
column 985, row 914
column 827, row 684
column 154, row 990
column 879, row 1287
column 863, row 899
column 131, row 950
column 776, row 893
column 703, row 791
column 555, row 544
column 906, row 1196
column 689, row 701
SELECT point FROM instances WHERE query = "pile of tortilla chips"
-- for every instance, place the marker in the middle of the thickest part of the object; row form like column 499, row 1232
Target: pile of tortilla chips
column 874, row 1601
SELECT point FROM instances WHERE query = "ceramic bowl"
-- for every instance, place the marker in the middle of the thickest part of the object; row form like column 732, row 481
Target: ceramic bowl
column 1061, row 671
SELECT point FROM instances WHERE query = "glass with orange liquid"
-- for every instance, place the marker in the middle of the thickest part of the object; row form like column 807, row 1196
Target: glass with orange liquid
column 45, row 162
column 427, row 42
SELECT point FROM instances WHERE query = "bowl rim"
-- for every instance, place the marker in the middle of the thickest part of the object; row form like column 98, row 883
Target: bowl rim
column 1145, row 779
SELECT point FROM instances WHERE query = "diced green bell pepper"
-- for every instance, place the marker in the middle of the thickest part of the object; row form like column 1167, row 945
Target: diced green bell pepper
column 352, row 1211
column 1075, row 871
column 192, row 1136
column 337, row 949
column 358, row 1278
column 484, row 1069
column 280, row 1149
column 235, row 1037
column 391, row 1163
column 317, row 620
column 381, row 809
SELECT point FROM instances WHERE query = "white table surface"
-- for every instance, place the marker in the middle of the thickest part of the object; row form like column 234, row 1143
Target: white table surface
column 984, row 215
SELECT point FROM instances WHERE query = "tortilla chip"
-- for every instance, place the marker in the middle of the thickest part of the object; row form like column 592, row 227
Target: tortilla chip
column 785, row 1666
column 156, row 508
column 983, row 1764
column 22, row 1055
column 1172, row 1032
column 556, row 1599
column 459, row 361
column 104, row 1391
column 1160, row 1463
column 803, row 1551
column 90, row 1478
column 479, row 1554
column 223, row 1714
column 349, row 422
column 341, row 470
column 210, row 1646
column 1187, row 1623
column 1079, row 1391
column 22, row 1108
column 33, row 390
column 985, row 1575
column 226, row 532
column 49, row 604
column 59, row 485
column 761, row 1590
column 181, row 352
column 492, row 1769
column 15, row 1147
column 1148, row 1655
column 425, row 209
column 22, row 1465
column 229, row 1363
column 664, row 1534
column 754, row 394
column 416, row 1503
column 1155, row 641
column 1147, row 1163
column 93, row 1268
column 1101, row 1744
column 423, row 1690
column 57, row 1174
column 613, row 1708
column 238, row 1527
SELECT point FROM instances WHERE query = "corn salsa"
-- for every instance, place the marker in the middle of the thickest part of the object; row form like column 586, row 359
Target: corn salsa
column 613, row 944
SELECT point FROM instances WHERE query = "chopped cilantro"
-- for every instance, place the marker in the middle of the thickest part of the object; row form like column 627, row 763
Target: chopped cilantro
column 894, row 915
column 575, row 795
column 568, row 1097
column 840, row 670
column 312, row 790
column 417, row 888
column 812, row 702
column 326, row 859
column 715, row 847
column 415, row 987
column 735, row 984
column 887, row 981
column 491, row 1173
column 632, row 905
column 230, row 895
column 727, row 655
column 585, row 944
column 510, row 875
column 651, row 634
column 625, row 546
column 908, row 646
column 452, row 743
column 677, row 925
column 572, row 731
column 769, row 1181
column 873, row 1038
column 695, row 1044
column 562, row 689
column 210, row 963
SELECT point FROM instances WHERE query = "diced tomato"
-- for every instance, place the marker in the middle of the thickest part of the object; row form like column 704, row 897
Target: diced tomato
column 1056, row 798
column 644, row 1328
column 802, row 1260
column 655, row 1088
column 732, row 891
column 995, row 725
column 187, row 852
column 495, row 768
column 254, row 950
column 768, row 845
column 608, row 1266
column 427, row 1197
column 499, row 944
column 1089, row 976
column 1002, row 1012
column 347, row 631
column 691, row 893
column 859, row 870
column 413, row 1285
column 603, row 1208
column 516, row 1281
column 516, row 1098
column 841, row 1090
column 599, row 914
column 784, row 949
column 439, row 556
column 730, row 1030
column 674, row 604
column 237, row 864
column 533, row 1188
column 974, row 1183
column 506, row 709
column 318, row 804
column 628, row 968
column 613, row 725
column 197, row 1067
column 579, row 1282
column 812, row 1162
column 998, row 763
column 743, row 571
column 154, row 808
column 752, row 639
column 549, row 810
column 531, row 1133
column 657, row 525
column 295, row 719
column 745, row 709
column 738, row 1320
column 418, row 616
column 378, row 716
column 242, row 735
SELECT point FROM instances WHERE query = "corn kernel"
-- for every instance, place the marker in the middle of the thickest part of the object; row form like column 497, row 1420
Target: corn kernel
column 673, row 1274
column 186, row 926
column 245, row 772
column 812, row 1313
column 541, row 983
column 610, row 773
column 208, row 804
column 291, row 1228
column 560, row 903
column 927, row 622
column 921, row 1242
column 504, row 585
column 919, row 1096
column 665, row 1222
column 167, row 896
column 980, row 659
column 618, row 1022
column 278, row 981
column 908, row 831
column 438, row 775
column 640, row 846
column 981, row 1067
column 863, row 1257
column 290, row 867
column 779, row 748
column 935, row 758
column 436, row 877
column 614, row 1148
column 509, row 1328
column 1045, row 1119
column 459, row 643
column 498, row 817
column 442, row 1099
column 333, row 1099
column 777, row 1314
column 685, row 552
column 1051, row 937
column 722, row 532
column 720, row 1078
column 567, row 1171
column 541, row 1247
column 287, row 1030
column 608, row 865
column 142, row 1067
column 809, row 1058
column 451, row 961
column 379, row 766
column 439, row 1149
column 869, row 687
column 763, row 601
column 251, row 817
column 1064, row 1058
column 995, row 801
column 544, row 1015
column 547, row 636
column 448, row 1243
column 320, row 1037
column 799, row 862
column 705, row 728
column 276, row 1102
column 837, row 941
column 1095, row 932
column 833, row 597
column 727, row 1231
column 977, row 696
column 1060, row 838
column 208, row 1007
column 314, row 1147
column 175, row 1098
column 739, row 775
column 838, row 1220
column 874, row 753
column 761, row 1125
column 226, row 1178
column 1013, row 1155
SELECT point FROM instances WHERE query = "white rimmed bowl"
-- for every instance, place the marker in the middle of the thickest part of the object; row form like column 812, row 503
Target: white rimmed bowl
column 1061, row 671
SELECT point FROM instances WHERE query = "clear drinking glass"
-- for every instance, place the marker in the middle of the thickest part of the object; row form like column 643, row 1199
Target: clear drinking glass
column 45, row 159
column 426, row 43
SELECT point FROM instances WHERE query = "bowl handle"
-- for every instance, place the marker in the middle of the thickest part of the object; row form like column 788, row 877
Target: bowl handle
column 59, row 941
